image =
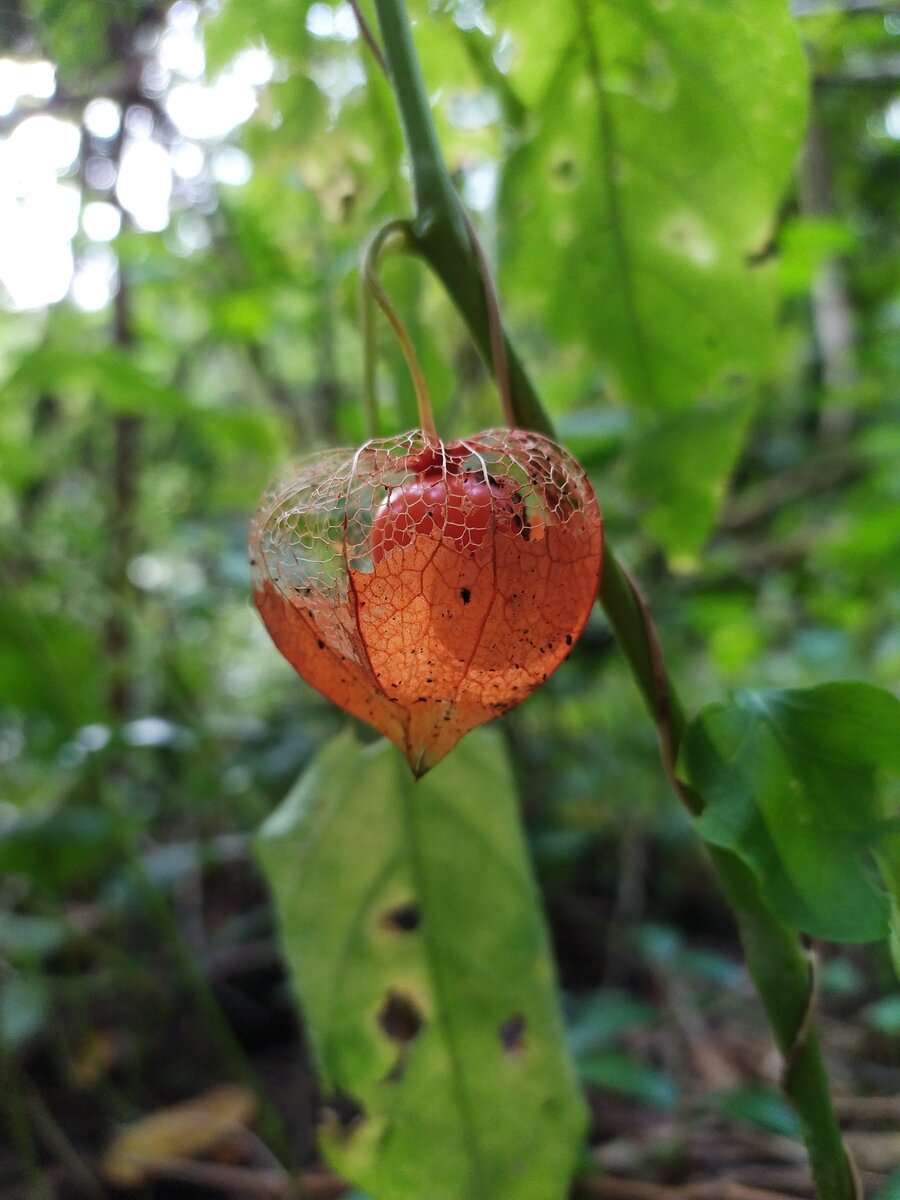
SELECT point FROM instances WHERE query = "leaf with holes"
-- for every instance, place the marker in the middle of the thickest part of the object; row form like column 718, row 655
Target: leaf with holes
column 790, row 783
column 638, row 213
column 427, row 588
column 414, row 936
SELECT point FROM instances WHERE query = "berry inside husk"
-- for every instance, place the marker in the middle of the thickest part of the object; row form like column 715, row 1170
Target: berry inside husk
column 460, row 508
column 428, row 587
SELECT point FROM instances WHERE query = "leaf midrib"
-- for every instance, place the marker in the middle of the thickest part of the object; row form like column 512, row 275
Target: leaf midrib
column 443, row 1006
column 617, row 220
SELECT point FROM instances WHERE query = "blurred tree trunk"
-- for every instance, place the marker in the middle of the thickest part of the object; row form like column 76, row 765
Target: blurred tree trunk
column 834, row 326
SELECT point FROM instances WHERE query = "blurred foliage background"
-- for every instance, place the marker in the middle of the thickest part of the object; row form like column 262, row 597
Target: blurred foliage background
column 184, row 192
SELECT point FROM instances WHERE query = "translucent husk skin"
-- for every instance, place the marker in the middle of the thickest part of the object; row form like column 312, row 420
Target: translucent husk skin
column 450, row 622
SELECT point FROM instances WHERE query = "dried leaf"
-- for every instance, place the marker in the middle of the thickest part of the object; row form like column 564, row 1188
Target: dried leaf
column 428, row 588
column 182, row 1131
column 100, row 1050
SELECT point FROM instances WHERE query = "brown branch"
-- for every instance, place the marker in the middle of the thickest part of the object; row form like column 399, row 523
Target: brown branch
column 368, row 37
column 833, row 467
column 281, row 396
column 832, row 309
column 868, row 1108
column 499, row 360
column 126, row 436
column 55, row 1140
column 251, row 1182
column 608, row 1188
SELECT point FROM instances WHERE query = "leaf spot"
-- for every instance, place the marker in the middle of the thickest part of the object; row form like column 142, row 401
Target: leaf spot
column 400, row 1018
column 343, row 1112
column 403, row 918
column 512, row 1035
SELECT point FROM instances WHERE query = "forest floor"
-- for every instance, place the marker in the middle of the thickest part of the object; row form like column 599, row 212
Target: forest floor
column 679, row 1069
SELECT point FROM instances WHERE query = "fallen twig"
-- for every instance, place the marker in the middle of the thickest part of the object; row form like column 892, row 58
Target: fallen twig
column 607, row 1188
column 265, row 1182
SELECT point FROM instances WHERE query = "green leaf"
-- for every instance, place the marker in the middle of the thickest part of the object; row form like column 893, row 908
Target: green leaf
column 789, row 782
column 70, row 848
column 636, row 219
column 804, row 245
column 756, row 1105
column 25, row 1004
column 678, row 465
column 77, row 37
column 48, row 664
column 415, row 939
column 891, row 1190
column 119, row 381
column 594, row 435
column 884, row 1015
column 665, row 139
column 281, row 24
column 620, row 1073
column 26, row 939
column 602, row 1018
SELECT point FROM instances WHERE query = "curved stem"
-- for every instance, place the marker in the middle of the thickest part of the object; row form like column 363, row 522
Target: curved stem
column 368, row 36
column 775, row 957
column 393, row 237
column 499, row 360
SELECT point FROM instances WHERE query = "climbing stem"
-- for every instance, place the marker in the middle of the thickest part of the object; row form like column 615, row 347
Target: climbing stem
column 778, row 964
column 784, row 976
column 499, row 359
column 393, row 237
column 440, row 230
column 434, row 192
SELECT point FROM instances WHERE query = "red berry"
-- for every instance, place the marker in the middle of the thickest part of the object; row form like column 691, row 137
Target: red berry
column 460, row 510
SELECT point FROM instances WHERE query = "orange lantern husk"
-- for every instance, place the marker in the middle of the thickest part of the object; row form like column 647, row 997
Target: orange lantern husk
column 428, row 587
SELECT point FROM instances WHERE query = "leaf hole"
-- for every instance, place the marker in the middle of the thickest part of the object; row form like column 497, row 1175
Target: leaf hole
column 400, row 1018
column 344, row 1111
column 403, row 918
column 512, row 1035
column 564, row 170
column 764, row 254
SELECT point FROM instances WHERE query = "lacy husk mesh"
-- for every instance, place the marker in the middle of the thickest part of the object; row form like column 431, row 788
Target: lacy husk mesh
column 428, row 587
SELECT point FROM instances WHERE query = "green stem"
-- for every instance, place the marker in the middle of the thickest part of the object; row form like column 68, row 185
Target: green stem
column 777, row 963
column 14, row 1114
column 434, row 192
column 440, row 228
column 783, row 976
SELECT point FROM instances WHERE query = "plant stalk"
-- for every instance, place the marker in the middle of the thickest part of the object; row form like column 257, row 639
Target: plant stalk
column 393, row 236
column 776, row 960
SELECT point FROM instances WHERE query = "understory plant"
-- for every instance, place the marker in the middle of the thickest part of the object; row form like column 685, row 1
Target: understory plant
column 428, row 585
